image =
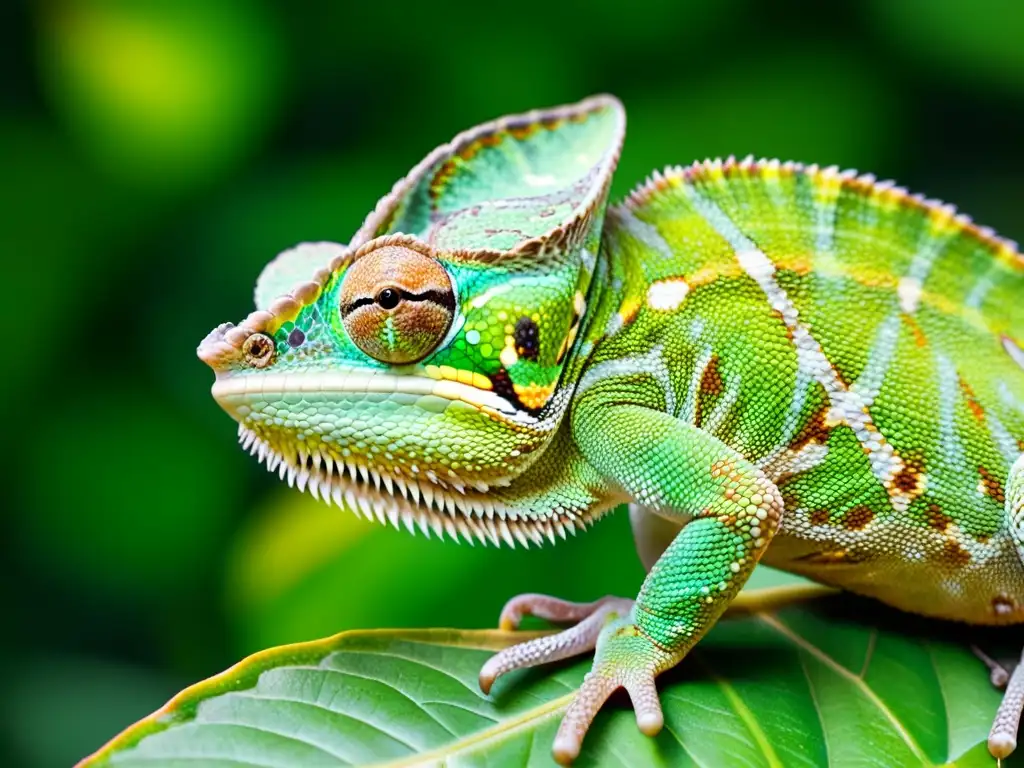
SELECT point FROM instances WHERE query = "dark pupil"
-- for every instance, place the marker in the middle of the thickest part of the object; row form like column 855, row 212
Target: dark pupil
column 388, row 298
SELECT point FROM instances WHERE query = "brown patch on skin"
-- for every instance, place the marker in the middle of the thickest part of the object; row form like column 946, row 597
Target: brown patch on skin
column 710, row 386
column 820, row 517
column 815, row 430
column 711, row 381
column 441, row 178
column 858, row 518
column 937, row 519
column 789, row 501
column 469, row 152
column 908, row 479
column 953, row 552
column 982, row 538
column 629, row 309
column 993, row 487
column 1003, row 605
column 972, row 400
column 520, row 132
column 919, row 338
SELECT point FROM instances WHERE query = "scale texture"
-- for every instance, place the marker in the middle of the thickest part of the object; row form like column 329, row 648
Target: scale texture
column 764, row 359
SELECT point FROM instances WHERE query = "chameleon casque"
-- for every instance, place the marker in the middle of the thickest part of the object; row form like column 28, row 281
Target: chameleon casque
column 764, row 360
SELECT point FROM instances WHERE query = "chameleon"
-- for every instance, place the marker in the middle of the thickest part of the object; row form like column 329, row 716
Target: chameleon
column 766, row 361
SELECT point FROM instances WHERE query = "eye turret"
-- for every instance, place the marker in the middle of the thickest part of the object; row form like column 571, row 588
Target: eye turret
column 397, row 304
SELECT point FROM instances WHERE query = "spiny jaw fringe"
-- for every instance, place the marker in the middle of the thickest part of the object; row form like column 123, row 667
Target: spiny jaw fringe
column 413, row 503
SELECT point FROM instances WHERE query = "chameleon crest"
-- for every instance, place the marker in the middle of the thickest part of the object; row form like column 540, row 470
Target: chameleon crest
column 763, row 359
column 431, row 347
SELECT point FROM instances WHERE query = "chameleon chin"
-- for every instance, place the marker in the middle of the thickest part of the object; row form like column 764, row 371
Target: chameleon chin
column 764, row 359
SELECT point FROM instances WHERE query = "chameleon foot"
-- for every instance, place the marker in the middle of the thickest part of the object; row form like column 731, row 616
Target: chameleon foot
column 624, row 658
column 1002, row 739
column 997, row 673
column 571, row 642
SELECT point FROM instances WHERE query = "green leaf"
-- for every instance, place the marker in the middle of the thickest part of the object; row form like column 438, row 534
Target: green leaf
column 777, row 683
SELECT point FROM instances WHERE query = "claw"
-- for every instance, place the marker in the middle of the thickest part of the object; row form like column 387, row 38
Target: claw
column 571, row 642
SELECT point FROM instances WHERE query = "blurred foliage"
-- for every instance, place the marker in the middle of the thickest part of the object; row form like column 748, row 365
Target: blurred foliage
column 156, row 155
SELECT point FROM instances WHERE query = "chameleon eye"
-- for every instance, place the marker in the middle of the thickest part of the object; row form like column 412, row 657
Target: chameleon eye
column 397, row 304
column 258, row 350
column 389, row 298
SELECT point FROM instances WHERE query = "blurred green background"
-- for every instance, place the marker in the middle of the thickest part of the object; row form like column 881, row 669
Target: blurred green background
column 155, row 155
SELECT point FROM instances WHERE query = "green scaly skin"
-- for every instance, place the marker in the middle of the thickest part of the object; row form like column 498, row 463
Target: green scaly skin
column 763, row 359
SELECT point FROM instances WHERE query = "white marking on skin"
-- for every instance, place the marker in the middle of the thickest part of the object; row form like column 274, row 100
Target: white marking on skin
column 801, row 387
column 650, row 363
column 1015, row 352
column 646, row 233
column 473, row 337
column 539, row 180
column 667, row 295
column 950, row 445
column 880, row 357
column 615, row 323
column 952, row 586
column 794, row 462
column 1008, row 398
column 980, row 552
column 689, row 410
column 697, row 328
column 909, row 291
column 723, row 406
column 825, row 262
column 508, row 356
column 948, row 382
column 911, row 285
column 1005, row 443
column 979, row 291
column 579, row 304
column 490, row 293
column 847, row 405
column 588, row 259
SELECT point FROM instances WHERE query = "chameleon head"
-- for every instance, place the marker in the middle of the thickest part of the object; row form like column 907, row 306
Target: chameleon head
column 419, row 369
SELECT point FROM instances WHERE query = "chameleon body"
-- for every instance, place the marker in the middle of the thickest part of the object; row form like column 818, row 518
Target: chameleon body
column 765, row 360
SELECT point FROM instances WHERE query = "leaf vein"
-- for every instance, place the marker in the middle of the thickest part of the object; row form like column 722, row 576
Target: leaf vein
column 839, row 669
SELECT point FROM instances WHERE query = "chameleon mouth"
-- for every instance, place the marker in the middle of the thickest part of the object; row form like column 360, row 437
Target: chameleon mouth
column 430, row 504
column 234, row 391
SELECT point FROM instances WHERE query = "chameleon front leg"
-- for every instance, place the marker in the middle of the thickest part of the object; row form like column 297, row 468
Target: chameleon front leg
column 1002, row 739
column 676, row 470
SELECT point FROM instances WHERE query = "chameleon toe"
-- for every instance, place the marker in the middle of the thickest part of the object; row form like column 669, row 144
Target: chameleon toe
column 561, row 645
column 1001, row 745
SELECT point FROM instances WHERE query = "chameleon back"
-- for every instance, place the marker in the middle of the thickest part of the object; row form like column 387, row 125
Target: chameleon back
column 860, row 344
